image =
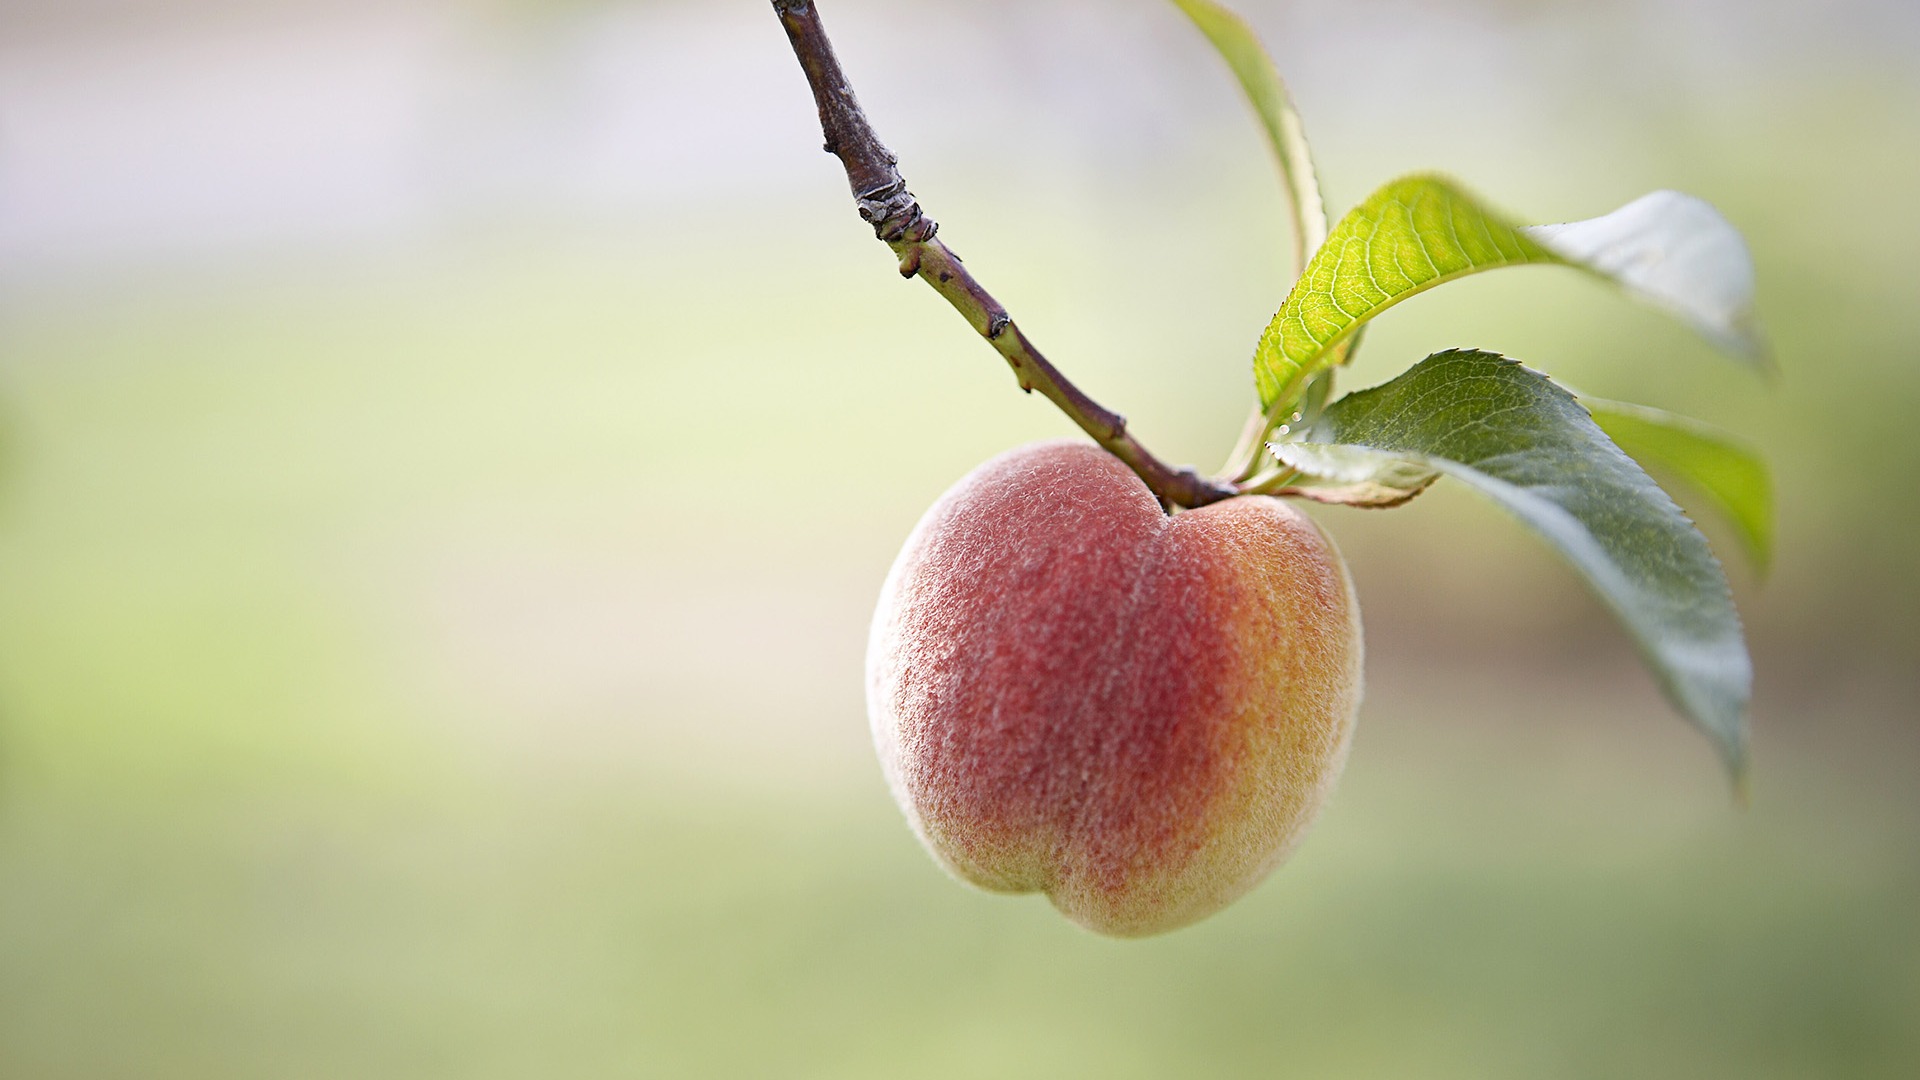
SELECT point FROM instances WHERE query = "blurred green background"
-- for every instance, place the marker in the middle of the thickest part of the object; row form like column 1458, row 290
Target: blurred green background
column 449, row 451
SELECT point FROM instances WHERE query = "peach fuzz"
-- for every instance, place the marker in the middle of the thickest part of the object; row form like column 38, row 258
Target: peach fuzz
column 1075, row 693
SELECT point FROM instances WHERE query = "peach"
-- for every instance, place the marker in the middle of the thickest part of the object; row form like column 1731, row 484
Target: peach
column 1075, row 693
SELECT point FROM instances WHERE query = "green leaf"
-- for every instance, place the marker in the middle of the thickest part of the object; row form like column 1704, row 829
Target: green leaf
column 1730, row 473
column 1513, row 435
column 1242, row 50
column 1668, row 249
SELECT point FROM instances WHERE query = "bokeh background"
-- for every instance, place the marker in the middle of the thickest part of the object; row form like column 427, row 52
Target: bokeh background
column 449, row 451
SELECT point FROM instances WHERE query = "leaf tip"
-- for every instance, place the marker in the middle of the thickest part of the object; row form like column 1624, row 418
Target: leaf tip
column 1759, row 546
column 1740, row 776
column 1740, row 335
column 1733, row 742
column 1755, row 349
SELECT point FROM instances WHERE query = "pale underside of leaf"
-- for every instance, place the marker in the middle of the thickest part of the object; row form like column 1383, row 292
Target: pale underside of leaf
column 1350, row 475
column 1730, row 474
column 1674, row 252
column 1248, row 59
column 1510, row 433
column 1421, row 231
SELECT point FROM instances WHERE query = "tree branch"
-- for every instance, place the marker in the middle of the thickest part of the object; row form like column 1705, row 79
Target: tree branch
column 887, row 205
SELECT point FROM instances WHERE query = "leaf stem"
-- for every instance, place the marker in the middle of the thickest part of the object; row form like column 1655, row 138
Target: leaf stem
column 886, row 204
column 1246, row 457
column 1270, row 482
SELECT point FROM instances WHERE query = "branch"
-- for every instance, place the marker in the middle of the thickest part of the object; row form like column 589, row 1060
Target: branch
column 887, row 205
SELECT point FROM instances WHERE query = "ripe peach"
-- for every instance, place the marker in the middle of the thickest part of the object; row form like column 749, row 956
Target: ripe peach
column 1134, row 713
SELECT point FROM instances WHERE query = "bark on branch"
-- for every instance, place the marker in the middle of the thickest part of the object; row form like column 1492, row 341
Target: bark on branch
column 886, row 204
